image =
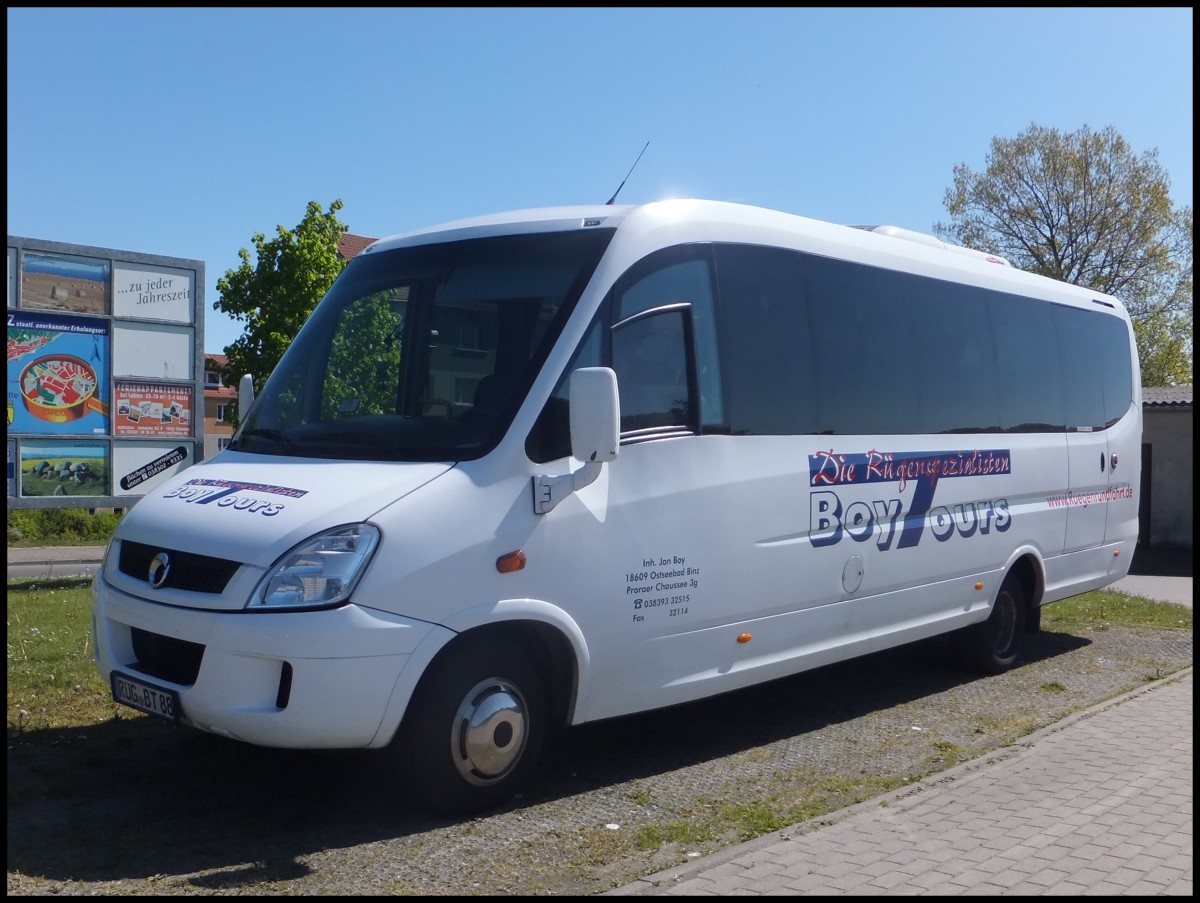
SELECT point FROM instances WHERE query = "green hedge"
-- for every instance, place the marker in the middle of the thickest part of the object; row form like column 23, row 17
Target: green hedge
column 60, row 526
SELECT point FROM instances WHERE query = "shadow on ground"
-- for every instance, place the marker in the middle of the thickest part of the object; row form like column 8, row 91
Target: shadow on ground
column 137, row 799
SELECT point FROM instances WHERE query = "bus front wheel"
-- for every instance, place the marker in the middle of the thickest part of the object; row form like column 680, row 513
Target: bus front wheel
column 474, row 728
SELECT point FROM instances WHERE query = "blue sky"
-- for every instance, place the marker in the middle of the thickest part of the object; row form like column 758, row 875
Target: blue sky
column 182, row 132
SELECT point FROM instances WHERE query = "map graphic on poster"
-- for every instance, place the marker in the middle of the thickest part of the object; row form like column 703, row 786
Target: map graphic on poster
column 57, row 374
column 153, row 409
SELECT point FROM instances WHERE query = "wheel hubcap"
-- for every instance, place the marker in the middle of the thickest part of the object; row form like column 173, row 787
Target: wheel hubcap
column 489, row 732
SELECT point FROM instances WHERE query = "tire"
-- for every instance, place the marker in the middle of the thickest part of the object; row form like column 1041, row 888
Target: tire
column 993, row 646
column 1033, row 620
column 474, row 729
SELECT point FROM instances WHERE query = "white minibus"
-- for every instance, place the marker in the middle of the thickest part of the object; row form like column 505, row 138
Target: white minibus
column 566, row 464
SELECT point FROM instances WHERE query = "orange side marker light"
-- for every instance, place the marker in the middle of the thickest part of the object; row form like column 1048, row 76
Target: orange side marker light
column 513, row 561
column 744, row 638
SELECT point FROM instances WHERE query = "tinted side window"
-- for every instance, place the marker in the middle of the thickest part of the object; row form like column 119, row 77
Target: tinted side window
column 1029, row 375
column 766, row 344
column 955, row 360
column 816, row 345
column 863, row 349
column 681, row 274
column 1083, row 386
column 649, row 355
column 1116, row 364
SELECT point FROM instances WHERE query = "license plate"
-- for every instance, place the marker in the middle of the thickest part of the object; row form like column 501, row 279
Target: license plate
column 145, row 697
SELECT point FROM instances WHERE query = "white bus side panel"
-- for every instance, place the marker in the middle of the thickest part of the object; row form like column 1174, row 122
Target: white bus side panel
column 685, row 544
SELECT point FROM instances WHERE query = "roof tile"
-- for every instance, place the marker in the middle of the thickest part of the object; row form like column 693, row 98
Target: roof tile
column 1167, row 396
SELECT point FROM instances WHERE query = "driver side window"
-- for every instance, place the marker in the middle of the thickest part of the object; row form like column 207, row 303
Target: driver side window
column 662, row 345
column 649, row 355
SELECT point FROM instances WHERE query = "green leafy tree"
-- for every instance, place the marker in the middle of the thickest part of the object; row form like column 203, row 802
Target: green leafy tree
column 274, row 294
column 1082, row 207
column 364, row 357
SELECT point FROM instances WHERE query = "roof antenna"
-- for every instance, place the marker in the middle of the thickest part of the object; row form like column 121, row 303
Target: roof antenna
column 626, row 179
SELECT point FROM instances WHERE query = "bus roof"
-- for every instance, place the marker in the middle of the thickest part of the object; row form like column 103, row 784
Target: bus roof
column 692, row 219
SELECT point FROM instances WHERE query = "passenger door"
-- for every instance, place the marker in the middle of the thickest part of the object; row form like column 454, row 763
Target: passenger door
column 663, row 537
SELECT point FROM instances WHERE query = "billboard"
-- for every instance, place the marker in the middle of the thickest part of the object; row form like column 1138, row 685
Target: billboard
column 105, row 372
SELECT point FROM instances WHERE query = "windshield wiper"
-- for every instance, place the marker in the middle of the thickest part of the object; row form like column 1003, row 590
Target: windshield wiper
column 265, row 433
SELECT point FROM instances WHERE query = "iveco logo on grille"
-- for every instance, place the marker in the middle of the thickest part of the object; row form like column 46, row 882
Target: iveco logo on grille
column 160, row 566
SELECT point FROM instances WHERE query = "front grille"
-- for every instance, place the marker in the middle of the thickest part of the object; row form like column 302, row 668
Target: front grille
column 188, row 571
column 165, row 657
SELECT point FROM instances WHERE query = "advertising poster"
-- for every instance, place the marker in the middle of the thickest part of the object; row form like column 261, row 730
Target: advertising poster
column 140, row 466
column 57, row 374
column 153, row 293
column 56, row 468
column 152, row 409
column 62, row 282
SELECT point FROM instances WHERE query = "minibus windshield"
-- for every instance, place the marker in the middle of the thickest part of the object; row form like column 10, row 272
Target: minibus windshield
column 423, row 353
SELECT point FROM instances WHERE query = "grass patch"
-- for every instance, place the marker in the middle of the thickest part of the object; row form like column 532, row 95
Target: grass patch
column 719, row 823
column 600, row 845
column 1102, row 609
column 947, row 754
column 756, row 818
column 52, row 679
column 1021, row 725
column 681, row 830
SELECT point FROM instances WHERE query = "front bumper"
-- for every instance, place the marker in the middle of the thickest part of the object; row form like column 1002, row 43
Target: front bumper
column 313, row 680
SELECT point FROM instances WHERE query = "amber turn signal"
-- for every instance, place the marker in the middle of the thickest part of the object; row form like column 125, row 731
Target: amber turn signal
column 513, row 561
column 743, row 638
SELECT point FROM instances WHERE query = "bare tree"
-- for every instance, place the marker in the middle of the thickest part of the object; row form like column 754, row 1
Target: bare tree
column 1082, row 207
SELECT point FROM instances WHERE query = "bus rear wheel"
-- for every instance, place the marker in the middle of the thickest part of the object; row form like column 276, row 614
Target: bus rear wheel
column 474, row 728
column 993, row 646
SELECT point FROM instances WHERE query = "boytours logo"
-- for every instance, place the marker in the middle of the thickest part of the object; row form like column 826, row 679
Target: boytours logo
column 885, row 519
column 234, row 494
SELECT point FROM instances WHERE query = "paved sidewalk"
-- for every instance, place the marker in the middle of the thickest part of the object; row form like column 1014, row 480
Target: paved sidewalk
column 56, row 554
column 1177, row 590
column 54, row 561
column 1100, row 803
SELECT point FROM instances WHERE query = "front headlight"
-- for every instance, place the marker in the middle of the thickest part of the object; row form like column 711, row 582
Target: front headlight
column 320, row 572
